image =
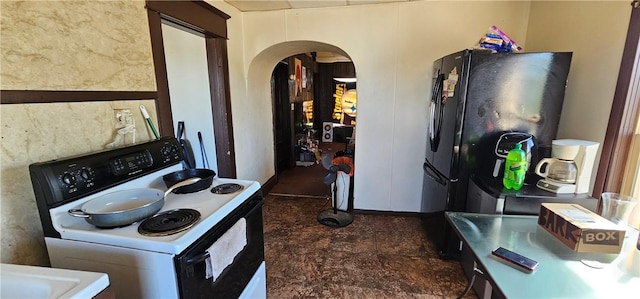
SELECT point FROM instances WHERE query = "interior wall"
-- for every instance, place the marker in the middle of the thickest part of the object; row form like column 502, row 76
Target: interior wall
column 104, row 45
column 254, row 155
column 256, row 149
column 79, row 45
column 595, row 32
column 42, row 132
column 62, row 45
column 392, row 47
column 188, row 80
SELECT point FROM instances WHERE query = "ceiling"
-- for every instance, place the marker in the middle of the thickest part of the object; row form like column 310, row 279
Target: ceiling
column 264, row 5
column 330, row 57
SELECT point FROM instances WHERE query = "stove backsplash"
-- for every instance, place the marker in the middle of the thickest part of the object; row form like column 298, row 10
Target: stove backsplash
column 40, row 132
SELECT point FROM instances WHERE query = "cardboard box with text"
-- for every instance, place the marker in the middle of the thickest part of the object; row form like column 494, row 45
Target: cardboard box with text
column 580, row 229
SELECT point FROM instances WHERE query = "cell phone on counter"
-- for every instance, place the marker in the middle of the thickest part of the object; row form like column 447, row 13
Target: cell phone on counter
column 515, row 259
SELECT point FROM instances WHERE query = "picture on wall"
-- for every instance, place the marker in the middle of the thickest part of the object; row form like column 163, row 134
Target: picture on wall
column 304, row 77
column 349, row 101
column 298, row 66
column 307, row 110
column 345, row 103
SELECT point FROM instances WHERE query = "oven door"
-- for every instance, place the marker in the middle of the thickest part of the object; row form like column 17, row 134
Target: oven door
column 191, row 267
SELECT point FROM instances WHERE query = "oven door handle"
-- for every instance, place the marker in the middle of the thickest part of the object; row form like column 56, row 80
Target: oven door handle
column 198, row 259
column 203, row 256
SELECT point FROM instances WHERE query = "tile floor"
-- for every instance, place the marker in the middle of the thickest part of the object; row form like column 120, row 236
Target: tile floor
column 377, row 256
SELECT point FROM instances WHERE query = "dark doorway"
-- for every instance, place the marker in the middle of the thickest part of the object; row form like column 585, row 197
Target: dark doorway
column 282, row 118
column 301, row 111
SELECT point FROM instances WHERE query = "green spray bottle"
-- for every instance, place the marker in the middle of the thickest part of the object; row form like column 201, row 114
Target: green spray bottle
column 515, row 168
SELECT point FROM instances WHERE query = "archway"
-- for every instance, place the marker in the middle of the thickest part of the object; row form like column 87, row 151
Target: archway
column 259, row 88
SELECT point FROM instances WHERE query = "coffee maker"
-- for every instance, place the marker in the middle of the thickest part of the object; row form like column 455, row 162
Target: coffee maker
column 569, row 168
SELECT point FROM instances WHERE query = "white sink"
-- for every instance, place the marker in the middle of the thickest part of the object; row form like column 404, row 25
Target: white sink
column 20, row 281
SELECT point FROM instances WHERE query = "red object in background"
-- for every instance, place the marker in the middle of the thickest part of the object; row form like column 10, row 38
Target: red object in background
column 344, row 160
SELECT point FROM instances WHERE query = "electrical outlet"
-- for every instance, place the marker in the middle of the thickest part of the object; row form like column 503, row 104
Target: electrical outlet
column 123, row 117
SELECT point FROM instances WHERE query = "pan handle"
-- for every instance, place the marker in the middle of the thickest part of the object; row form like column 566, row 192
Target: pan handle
column 78, row 213
column 186, row 182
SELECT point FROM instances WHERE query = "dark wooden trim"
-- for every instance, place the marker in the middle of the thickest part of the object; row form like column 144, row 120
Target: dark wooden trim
column 221, row 106
column 344, row 70
column 195, row 15
column 623, row 117
column 52, row 96
column 107, row 293
column 204, row 18
column 269, row 184
column 163, row 104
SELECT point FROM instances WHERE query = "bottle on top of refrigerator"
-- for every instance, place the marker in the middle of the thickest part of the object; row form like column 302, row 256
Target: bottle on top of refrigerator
column 515, row 168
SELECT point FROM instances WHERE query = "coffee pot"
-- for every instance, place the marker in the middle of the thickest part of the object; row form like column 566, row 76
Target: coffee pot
column 563, row 171
column 570, row 167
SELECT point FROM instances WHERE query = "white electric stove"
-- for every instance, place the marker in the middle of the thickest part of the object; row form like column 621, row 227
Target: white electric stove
column 141, row 266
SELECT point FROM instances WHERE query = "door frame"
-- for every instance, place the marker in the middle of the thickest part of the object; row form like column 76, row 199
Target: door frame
column 624, row 114
column 211, row 22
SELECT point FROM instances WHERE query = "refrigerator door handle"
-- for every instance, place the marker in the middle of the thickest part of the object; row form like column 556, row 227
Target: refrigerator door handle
column 436, row 113
column 433, row 173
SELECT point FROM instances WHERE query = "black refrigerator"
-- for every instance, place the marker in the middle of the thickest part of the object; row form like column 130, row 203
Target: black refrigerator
column 477, row 94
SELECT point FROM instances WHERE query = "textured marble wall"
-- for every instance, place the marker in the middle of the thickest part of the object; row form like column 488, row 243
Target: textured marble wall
column 41, row 132
column 75, row 45
column 63, row 45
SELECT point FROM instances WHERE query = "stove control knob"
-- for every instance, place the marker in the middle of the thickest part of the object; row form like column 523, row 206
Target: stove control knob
column 174, row 149
column 68, row 179
column 86, row 174
column 165, row 151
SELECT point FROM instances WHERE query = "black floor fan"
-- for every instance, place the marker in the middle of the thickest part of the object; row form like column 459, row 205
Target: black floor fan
column 334, row 217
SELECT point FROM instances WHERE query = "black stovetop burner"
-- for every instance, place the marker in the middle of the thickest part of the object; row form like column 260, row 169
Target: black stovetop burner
column 226, row 188
column 169, row 222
